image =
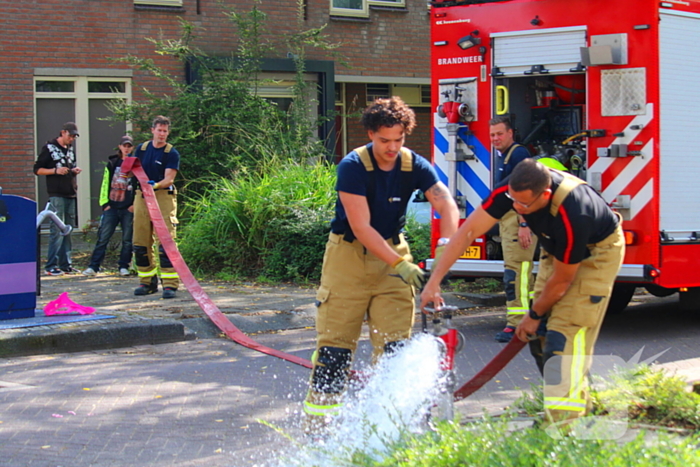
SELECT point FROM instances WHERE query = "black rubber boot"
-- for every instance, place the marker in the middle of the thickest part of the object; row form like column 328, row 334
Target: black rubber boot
column 169, row 292
column 144, row 289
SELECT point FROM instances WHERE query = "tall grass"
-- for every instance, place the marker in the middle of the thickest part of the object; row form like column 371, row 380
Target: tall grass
column 235, row 222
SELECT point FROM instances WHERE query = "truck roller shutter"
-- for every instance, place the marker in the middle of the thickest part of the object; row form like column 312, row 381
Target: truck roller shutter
column 679, row 49
column 556, row 49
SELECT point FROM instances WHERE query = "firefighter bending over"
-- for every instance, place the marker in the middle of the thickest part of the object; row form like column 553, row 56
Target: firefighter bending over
column 161, row 162
column 582, row 251
column 367, row 267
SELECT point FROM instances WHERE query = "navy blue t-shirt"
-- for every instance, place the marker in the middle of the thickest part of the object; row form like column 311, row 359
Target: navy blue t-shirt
column 519, row 154
column 384, row 210
column 155, row 161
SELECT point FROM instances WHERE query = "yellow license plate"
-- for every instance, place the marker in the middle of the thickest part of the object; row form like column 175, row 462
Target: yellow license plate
column 473, row 252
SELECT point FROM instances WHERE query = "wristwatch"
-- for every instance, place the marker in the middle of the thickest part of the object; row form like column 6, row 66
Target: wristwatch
column 534, row 315
column 443, row 241
column 523, row 224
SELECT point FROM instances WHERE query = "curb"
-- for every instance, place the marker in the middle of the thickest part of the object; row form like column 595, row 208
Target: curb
column 28, row 341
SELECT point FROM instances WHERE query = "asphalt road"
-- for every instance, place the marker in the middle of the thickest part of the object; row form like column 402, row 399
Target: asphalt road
column 201, row 403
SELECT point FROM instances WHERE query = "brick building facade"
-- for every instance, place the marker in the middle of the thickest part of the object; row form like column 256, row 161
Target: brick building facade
column 60, row 65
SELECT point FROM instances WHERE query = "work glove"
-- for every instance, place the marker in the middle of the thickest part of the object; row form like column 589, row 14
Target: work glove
column 410, row 273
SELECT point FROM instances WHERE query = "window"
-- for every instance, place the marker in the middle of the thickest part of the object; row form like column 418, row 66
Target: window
column 177, row 3
column 378, row 91
column 396, row 3
column 415, row 95
column 358, row 8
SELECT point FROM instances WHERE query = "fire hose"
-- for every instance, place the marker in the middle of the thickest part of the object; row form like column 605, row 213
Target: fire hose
column 133, row 164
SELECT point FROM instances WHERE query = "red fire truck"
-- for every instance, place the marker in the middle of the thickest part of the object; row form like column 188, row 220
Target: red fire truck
column 611, row 89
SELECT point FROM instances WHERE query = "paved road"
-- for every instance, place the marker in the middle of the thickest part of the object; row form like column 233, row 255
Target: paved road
column 198, row 403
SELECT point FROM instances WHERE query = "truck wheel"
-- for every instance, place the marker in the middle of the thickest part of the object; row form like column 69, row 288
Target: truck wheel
column 619, row 299
column 658, row 291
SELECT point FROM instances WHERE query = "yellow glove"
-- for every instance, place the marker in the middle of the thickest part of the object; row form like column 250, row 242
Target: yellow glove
column 410, row 273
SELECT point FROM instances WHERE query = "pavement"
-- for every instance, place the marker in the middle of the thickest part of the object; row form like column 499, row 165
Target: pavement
column 158, row 384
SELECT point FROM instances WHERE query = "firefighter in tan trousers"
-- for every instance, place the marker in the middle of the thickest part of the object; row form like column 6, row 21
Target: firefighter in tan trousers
column 517, row 241
column 161, row 162
column 582, row 251
column 368, row 271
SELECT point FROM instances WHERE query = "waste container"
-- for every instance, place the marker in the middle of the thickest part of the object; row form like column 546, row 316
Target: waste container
column 18, row 245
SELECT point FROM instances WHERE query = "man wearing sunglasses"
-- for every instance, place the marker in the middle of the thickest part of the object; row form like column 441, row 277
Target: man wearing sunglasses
column 582, row 251
column 517, row 242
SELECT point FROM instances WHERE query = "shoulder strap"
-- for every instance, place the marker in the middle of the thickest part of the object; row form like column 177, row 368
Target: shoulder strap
column 565, row 187
column 144, row 146
column 168, row 147
column 510, row 153
column 365, row 157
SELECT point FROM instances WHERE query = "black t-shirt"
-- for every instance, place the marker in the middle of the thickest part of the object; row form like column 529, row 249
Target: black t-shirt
column 583, row 218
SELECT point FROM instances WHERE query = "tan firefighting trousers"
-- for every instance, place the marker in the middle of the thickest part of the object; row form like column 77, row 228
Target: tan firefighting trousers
column 518, row 279
column 573, row 326
column 143, row 235
column 356, row 285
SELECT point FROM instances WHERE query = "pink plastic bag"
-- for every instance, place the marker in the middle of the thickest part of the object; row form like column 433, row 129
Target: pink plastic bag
column 64, row 305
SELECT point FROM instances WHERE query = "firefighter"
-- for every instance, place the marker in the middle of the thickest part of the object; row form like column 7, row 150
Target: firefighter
column 161, row 162
column 368, row 271
column 582, row 251
column 517, row 241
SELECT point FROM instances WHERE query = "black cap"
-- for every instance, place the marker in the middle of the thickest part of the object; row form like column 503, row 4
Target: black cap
column 71, row 128
column 126, row 139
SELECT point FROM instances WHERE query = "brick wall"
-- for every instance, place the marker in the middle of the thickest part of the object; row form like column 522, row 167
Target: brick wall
column 90, row 33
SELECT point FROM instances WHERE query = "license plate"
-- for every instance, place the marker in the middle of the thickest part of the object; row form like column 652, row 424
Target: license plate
column 473, row 252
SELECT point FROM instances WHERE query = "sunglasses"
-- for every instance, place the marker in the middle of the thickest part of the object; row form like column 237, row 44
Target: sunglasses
column 526, row 206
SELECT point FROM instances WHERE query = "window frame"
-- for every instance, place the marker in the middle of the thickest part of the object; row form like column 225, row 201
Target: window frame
column 174, row 3
column 355, row 13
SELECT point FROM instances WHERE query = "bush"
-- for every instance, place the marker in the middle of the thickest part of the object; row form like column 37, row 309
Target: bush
column 237, row 223
column 297, row 254
column 418, row 237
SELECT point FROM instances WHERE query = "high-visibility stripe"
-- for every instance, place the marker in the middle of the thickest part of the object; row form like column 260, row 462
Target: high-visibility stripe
column 150, row 273
column 524, row 285
column 516, row 310
column 564, row 403
column 578, row 364
column 322, row 410
column 169, row 275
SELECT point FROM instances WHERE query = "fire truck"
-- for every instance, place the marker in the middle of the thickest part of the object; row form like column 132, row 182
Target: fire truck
column 609, row 88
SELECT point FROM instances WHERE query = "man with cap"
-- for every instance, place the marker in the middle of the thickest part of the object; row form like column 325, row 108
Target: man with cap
column 57, row 162
column 117, row 201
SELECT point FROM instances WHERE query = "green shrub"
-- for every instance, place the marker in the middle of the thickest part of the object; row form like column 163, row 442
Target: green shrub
column 235, row 223
column 418, row 238
column 297, row 254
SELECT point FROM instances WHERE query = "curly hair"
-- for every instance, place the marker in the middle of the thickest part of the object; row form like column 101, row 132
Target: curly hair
column 388, row 113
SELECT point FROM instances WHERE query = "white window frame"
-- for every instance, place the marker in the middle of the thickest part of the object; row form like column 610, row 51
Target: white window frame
column 397, row 3
column 81, row 96
column 177, row 3
column 357, row 13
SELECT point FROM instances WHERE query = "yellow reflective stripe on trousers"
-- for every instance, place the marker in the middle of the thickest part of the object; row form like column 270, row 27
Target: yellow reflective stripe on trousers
column 578, row 364
column 524, row 285
column 150, row 273
column 577, row 375
column 321, row 410
column 565, row 403
column 169, row 275
column 516, row 310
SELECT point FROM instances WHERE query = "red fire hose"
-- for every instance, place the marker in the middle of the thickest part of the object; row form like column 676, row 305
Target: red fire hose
column 133, row 164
